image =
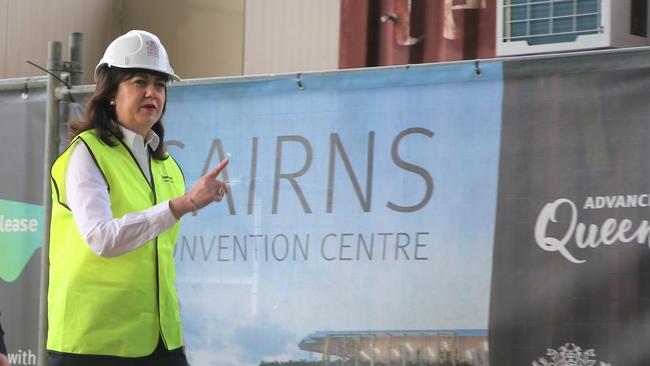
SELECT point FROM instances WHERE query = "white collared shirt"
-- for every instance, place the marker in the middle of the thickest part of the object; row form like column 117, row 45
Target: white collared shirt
column 87, row 197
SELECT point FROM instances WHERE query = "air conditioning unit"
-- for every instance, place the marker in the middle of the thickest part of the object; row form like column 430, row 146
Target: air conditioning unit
column 536, row 26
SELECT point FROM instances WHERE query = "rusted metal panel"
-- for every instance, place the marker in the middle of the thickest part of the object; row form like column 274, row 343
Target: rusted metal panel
column 394, row 32
column 354, row 33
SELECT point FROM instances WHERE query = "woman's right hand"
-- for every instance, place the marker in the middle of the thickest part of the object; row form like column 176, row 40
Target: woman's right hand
column 209, row 188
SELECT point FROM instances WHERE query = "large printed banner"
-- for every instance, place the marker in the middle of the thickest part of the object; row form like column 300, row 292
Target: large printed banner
column 360, row 222
column 454, row 214
column 571, row 277
column 22, row 126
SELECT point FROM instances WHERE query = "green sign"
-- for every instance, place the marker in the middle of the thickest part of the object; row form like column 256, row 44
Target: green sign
column 21, row 233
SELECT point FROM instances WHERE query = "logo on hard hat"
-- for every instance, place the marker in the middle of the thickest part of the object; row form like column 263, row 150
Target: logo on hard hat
column 152, row 48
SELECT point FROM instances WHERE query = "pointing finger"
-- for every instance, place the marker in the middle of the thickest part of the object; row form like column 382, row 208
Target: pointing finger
column 215, row 172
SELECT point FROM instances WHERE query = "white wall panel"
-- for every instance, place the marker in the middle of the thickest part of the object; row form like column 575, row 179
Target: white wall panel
column 291, row 35
column 203, row 37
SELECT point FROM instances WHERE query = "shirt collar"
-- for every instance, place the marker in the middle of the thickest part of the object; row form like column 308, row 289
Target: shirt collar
column 152, row 139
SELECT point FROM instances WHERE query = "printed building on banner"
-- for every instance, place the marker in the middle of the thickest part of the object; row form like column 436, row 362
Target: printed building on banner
column 424, row 347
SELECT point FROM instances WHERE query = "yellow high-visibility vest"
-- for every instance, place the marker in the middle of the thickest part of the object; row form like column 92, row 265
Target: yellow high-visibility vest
column 113, row 306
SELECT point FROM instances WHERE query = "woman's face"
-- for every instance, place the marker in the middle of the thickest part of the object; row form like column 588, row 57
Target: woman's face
column 139, row 102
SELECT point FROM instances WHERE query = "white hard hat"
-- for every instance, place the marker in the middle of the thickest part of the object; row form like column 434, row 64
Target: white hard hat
column 137, row 50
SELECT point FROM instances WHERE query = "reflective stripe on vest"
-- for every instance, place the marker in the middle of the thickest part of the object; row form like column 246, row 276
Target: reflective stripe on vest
column 113, row 306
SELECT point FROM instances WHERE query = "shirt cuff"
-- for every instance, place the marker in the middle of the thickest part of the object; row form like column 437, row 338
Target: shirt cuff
column 163, row 212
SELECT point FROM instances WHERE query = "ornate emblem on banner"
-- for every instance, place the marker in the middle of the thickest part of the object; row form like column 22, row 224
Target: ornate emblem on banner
column 569, row 355
column 152, row 48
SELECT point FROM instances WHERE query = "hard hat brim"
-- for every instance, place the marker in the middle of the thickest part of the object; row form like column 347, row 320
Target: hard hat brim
column 172, row 76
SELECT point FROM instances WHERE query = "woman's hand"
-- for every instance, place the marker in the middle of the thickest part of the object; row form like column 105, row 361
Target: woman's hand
column 207, row 189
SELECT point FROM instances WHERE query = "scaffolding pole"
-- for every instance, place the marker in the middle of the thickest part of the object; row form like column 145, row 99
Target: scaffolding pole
column 74, row 66
column 25, row 84
column 54, row 65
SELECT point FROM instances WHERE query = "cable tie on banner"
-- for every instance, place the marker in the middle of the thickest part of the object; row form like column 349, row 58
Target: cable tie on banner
column 477, row 68
column 299, row 83
column 67, row 85
column 25, row 93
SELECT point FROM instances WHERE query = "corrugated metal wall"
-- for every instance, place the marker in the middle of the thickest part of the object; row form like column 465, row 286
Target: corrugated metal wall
column 395, row 32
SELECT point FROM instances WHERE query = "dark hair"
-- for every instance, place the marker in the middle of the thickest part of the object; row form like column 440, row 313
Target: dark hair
column 100, row 115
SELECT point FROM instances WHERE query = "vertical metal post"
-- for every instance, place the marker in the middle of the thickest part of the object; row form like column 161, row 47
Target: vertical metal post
column 75, row 72
column 76, row 46
column 54, row 65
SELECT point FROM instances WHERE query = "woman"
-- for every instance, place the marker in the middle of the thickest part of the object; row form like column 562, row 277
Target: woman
column 117, row 198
